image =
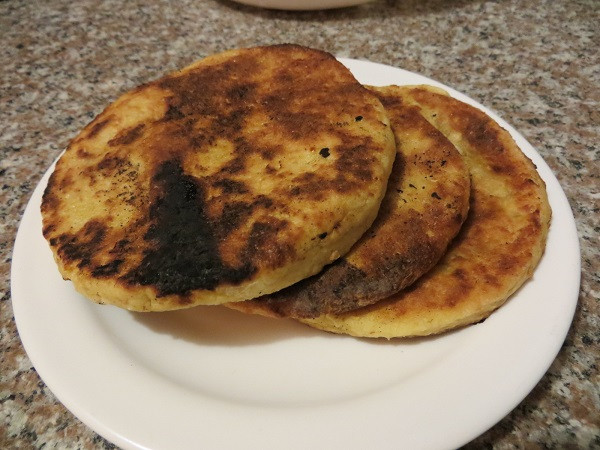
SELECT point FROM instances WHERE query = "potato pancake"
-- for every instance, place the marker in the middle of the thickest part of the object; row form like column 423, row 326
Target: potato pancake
column 234, row 177
column 497, row 249
column 425, row 205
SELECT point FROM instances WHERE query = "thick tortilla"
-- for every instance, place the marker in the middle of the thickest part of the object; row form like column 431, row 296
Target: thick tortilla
column 425, row 205
column 498, row 248
column 232, row 178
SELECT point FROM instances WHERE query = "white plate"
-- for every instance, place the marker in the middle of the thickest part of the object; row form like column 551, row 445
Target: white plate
column 214, row 378
column 302, row 5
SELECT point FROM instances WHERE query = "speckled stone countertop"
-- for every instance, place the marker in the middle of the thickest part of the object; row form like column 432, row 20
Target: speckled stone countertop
column 536, row 63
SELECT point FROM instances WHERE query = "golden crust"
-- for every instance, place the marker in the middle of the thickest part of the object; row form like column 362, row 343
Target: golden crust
column 426, row 202
column 216, row 182
column 498, row 248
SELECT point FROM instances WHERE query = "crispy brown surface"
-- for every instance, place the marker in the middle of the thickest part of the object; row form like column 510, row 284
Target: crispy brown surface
column 499, row 244
column 426, row 202
column 214, row 177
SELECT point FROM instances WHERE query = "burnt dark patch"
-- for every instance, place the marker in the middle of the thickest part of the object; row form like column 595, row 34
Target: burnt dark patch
column 499, row 169
column 231, row 123
column 460, row 274
column 94, row 232
column 47, row 230
column 66, row 181
column 80, row 247
column 263, row 243
column 436, row 196
column 267, row 153
column 108, row 269
column 358, row 118
column 263, row 201
column 299, row 105
column 127, row 136
column 197, row 140
column 83, row 153
column 354, row 164
column 324, row 152
column 391, row 102
column 300, row 125
column 183, row 253
column 97, row 127
column 323, row 235
column 235, row 166
column 114, row 166
column 233, row 215
column 237, row 212
column 110, row 163
column 353, row 168
column 327, row 292
column 173, row 112
column 241, row 92
column 230, row 186
column 122, row 246
column 211, row 91
column 309, row 185
column 481, row 135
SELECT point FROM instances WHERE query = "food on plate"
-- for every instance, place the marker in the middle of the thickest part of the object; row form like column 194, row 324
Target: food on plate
column 235, row 177
column 497, row 249
column 260, row 178
column 425, row 205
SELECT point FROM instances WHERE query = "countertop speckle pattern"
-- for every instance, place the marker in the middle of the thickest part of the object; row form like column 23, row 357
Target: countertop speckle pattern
column 536, row 63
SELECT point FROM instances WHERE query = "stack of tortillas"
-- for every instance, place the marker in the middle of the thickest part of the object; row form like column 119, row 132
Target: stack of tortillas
column 270, row 180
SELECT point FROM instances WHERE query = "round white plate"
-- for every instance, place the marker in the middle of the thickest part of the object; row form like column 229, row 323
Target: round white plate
column 214, row 378
column 302, row 5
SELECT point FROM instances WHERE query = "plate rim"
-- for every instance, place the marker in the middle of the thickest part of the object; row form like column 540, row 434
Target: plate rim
column 306, row 5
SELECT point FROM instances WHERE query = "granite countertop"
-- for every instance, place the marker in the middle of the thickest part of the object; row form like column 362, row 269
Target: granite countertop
column 536, row 63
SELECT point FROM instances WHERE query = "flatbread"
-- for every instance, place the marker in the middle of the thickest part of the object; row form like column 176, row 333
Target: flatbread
column 499, row 245
column 425, row 205
column 234, row 177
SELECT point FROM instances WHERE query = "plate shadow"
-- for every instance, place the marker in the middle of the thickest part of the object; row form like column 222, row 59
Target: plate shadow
column 217, row 325
column 220, row 326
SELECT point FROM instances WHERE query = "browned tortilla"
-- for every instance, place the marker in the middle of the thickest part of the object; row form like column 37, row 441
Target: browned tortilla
column 232, row 178
column 497, row 249
column 426, row 202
